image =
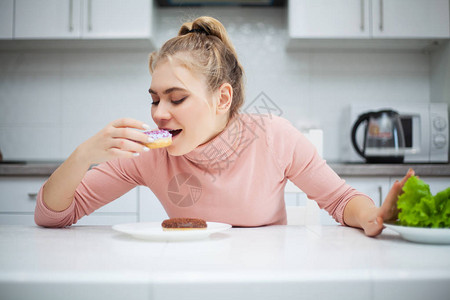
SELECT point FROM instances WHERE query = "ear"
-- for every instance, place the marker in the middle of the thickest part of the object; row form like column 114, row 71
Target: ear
column 225, row 98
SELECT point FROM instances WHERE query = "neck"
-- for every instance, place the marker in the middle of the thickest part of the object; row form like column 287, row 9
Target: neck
column 221, row 124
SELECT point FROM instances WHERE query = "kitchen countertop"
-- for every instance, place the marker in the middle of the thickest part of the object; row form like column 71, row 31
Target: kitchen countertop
column 355, row 169
column 343, row 169
column 273, row 262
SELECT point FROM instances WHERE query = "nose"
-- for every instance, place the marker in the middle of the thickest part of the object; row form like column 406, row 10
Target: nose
column 161, row 112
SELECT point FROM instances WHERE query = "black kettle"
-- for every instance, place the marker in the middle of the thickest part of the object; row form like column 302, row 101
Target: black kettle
column 384, row 141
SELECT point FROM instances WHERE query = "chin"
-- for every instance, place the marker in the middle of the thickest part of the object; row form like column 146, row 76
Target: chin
column 175, row 151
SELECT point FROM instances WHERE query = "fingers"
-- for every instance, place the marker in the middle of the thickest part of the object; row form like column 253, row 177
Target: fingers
column 408, row 174
column 130, row 134
column 127, row 145
column 125, row 128
column 116, row 152
column 389, row 210
column 118, row 139
column 128, row 122
column 126, row 140
column 397, row 187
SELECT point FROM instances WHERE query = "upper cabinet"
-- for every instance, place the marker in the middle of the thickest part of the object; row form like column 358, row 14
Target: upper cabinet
column 47, row 19
column 355, row 20
column 116, row 19
column 410, row 18
column 78, row 19
column 6, row 19
column 329, row 19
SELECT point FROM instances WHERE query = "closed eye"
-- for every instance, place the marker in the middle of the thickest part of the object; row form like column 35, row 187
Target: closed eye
column 176, row 102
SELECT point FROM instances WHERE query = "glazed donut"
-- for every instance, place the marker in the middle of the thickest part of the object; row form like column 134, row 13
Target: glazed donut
column 161, row 138
column 183, row 224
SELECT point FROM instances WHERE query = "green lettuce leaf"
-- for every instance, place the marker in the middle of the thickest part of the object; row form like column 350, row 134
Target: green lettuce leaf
column 419, row 208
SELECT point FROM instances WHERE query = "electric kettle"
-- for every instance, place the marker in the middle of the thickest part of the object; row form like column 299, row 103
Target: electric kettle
column 384, row 141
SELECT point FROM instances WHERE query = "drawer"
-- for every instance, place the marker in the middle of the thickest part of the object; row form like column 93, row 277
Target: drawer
column 17, row 219
column 93, row 219
column 107, row 219
column 18, row 195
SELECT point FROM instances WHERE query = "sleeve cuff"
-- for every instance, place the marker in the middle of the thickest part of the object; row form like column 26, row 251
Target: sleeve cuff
column 45, row 216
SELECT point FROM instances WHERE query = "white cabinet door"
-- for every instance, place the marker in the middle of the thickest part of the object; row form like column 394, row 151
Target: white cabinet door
column 374, row 187
column 410, row 18
column 437, row 184
column 116, row 19
column 302, row 211
column 47, row 19
column 329, row 19
column 150, row 209
column 18, row 201
column 6, row 19
column 18, row 194
column 86, row 19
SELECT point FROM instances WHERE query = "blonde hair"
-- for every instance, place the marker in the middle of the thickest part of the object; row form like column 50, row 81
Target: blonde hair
column 210, row 52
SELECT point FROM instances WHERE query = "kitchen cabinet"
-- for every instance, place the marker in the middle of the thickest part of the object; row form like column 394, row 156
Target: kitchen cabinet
column 18, row 201
column 302, row 211
column 373, row 186
column 47, row 19
column 333, row 23
column 6, row 19
column 116, row 19
column 150, row 208
column 410, row 19
column 329, row 18
column 83, row 19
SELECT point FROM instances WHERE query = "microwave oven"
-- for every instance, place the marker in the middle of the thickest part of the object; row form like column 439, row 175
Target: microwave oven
column 425, row 126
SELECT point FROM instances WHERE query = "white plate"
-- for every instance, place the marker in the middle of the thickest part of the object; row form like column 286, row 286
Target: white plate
column 153, row 231
column 421, row 234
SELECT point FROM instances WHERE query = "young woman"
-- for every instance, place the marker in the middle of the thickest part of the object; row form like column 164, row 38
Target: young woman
column 234, row 165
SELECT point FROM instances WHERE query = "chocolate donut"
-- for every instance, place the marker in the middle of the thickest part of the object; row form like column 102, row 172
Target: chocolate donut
column 183, row 224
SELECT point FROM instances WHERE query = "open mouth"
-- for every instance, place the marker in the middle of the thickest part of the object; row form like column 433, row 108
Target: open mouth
column 174, row 132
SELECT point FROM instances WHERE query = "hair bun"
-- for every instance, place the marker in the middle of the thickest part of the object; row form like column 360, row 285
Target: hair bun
column 197, row 30
column 208, row 26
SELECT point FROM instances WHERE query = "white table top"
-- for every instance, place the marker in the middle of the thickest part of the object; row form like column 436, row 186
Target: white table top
column 274, row 262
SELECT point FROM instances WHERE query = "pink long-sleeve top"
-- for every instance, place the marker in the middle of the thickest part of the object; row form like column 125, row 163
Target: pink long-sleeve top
column 236, row 178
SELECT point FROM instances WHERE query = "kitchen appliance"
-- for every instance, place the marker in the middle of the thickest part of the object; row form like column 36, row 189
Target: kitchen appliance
column 425, row 128
column 384, row 141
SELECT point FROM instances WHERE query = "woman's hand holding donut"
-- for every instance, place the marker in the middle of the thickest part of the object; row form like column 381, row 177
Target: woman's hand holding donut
column 118, row 139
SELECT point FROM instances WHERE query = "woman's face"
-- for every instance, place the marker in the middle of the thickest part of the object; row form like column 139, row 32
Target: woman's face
column 183, row 105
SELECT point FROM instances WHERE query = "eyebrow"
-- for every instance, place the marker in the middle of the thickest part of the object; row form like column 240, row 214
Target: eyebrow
column 168, row 91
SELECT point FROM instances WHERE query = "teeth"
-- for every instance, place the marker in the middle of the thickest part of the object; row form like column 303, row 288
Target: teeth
column 172, row 130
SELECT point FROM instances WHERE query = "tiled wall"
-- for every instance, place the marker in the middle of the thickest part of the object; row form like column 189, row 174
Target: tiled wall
column 50, row 101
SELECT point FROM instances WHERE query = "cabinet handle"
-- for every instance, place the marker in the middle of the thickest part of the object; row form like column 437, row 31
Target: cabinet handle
column 71, row 15
column 32, row 195
column 362, row 16
column 381, row 16
column 90, row 15
column 380, row 195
